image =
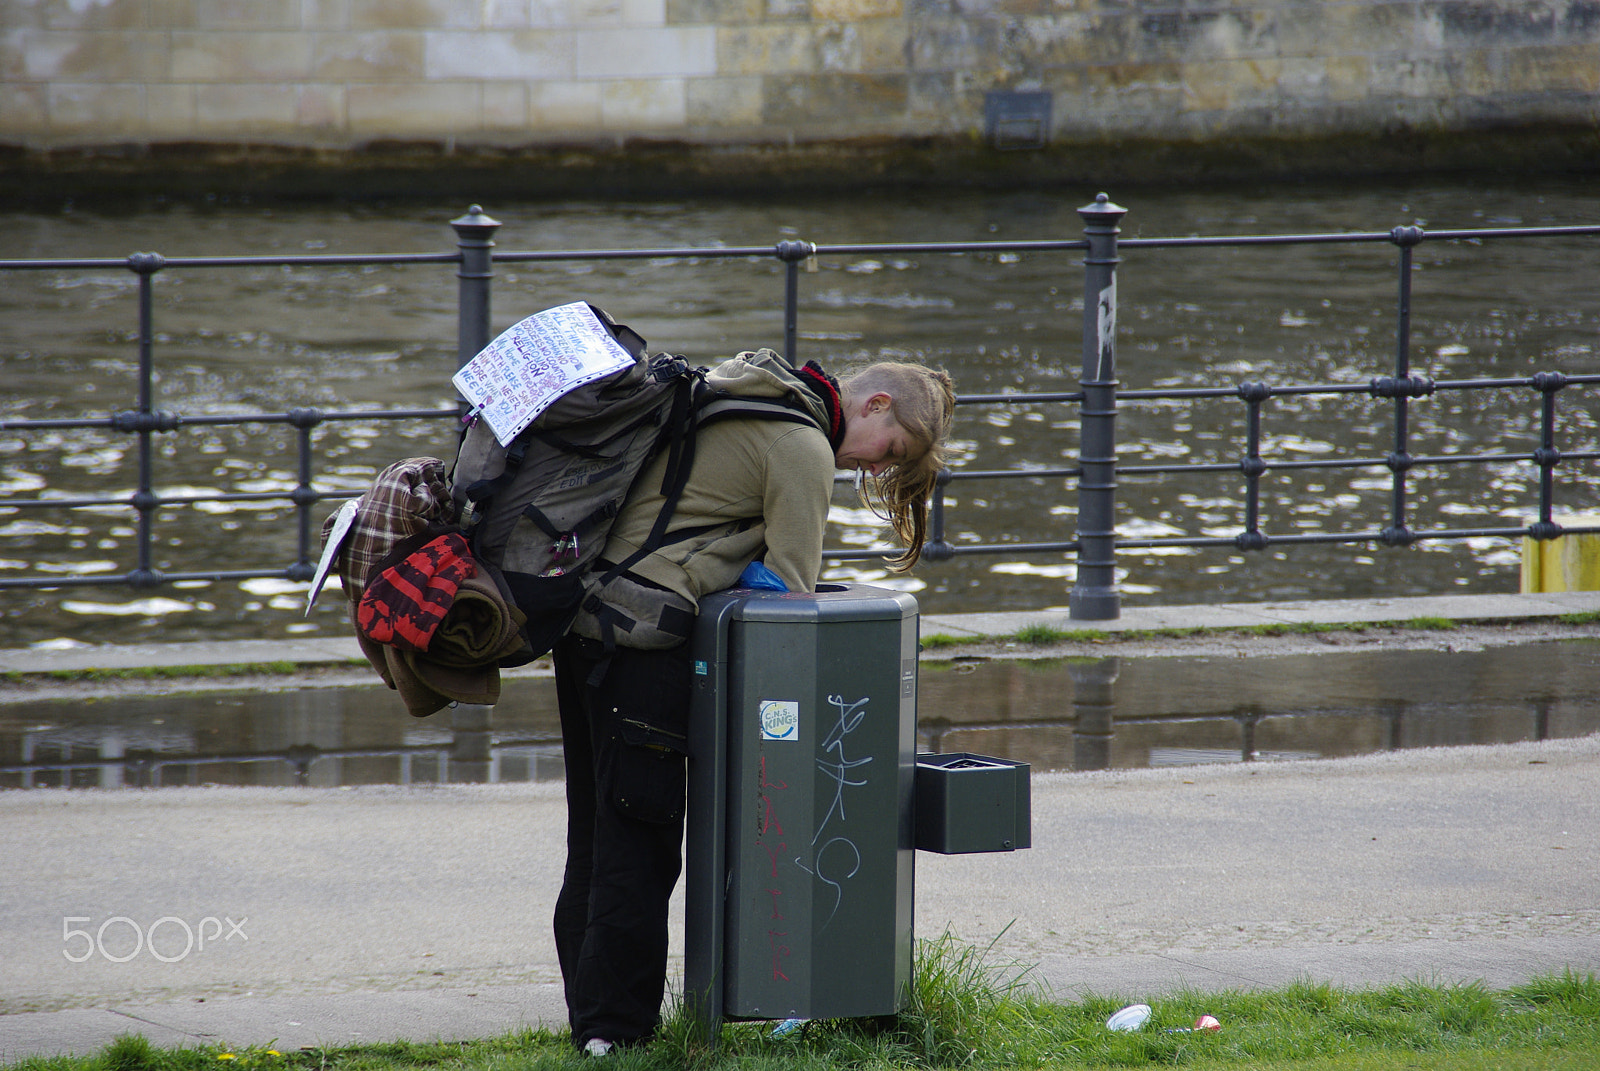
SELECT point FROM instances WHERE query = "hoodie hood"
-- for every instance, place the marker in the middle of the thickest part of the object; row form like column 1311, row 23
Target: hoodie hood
column 764, row 374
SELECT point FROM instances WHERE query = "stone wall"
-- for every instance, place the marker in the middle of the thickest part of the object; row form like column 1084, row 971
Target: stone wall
column 458, row 74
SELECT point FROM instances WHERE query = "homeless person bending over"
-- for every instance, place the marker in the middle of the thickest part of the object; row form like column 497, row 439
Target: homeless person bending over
column 758, row 489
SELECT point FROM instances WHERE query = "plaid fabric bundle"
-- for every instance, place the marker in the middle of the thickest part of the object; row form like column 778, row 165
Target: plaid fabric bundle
column 404, row 603
column 405, row 499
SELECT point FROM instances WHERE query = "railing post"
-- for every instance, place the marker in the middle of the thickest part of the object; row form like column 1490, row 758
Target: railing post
column 1094, row 593
column 1399, row 534
column 304, row 496
column 145, row 500
column 792, row 253
column 475, row 239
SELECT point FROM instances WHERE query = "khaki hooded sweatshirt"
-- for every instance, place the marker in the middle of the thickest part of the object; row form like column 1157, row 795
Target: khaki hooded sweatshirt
column 760, row 483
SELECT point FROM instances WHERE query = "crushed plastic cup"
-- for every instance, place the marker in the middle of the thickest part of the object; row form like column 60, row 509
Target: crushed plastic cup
column 1129, row 1019
column 1204, row 1023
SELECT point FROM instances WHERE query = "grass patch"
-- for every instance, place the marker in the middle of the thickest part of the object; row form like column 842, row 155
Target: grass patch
column 1437, row 624
column 1042, row 635
column 1588, row 617
column 966, row 1012
column 135, row 673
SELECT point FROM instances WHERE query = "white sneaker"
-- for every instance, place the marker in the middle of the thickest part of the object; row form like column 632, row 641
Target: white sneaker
column 597, row 1047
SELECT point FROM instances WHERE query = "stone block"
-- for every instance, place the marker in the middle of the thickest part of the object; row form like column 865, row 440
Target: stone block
column 421, row 110
column 723, row 102
column 1224, row 84
column 952, row 45
column 95, row 110
column 1192, row 35
column 320, row 107
column 1573, row 68
column 845, row 103
column 324, row 14
column 229, row 111
column 88, row 56
column 1303, row 79
column 943, row 104
column 549, row 14
column 714, row 12
column 643, row 104
column 237, row 15
column 1347, row 78
column 882, row 46
column 498, row 55
column 788, row 9
column 559, row 107
column 1048, row 42
column 24, row 111
column 72, row 15
column 1359, row 29
column 170, row 111
column 416, row 14
column 669, row 52
column 838, row 47
column 207, row 56
column 505, row 106
column 375, row 56
column 507, row 14
column 1509, row 23
column 782, row 48
column 644, row 12
column 600, row 14
column 855, row 10
column 1130, row 96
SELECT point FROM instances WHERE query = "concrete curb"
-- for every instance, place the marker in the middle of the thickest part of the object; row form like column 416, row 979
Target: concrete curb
column 974, row 627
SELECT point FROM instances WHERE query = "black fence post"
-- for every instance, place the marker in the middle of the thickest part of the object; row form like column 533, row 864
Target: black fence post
column 475, row 239
column 145, row 501
column 792, row 253
column 1400, row 460
column 1094, row 592
column 304, row 496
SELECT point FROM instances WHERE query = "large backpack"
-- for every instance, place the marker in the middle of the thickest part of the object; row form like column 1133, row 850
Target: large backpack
column 541, row 509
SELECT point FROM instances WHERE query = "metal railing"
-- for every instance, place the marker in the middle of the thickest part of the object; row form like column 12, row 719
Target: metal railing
column 1095, row 594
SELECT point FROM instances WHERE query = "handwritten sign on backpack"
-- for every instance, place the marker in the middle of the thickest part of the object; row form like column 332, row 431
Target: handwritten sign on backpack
column 536, row 361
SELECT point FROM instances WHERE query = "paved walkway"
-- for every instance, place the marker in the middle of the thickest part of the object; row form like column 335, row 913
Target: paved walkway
column 333, row 916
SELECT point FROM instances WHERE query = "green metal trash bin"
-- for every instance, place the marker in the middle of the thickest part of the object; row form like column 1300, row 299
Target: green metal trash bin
column 800, row 842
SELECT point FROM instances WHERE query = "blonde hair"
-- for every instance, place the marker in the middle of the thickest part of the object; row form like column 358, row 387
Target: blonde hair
column 922, row 401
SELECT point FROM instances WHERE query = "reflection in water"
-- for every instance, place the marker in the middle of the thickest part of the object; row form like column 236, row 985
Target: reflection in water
column 1127, row 713
column 1085, row 714
column 318, row 737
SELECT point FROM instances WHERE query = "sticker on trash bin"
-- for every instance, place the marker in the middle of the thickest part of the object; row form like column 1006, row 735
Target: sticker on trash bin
column 780, row 719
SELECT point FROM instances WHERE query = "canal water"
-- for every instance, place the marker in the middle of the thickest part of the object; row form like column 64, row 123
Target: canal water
column 266, row 339
column 1057, row 716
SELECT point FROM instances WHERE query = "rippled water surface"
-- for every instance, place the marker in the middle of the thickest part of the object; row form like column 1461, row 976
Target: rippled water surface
column 265, row 339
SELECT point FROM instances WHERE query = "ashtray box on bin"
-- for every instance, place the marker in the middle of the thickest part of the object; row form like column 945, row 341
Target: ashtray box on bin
column 972, row 803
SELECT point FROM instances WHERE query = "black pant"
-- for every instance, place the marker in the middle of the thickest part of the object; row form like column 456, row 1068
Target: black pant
column 625, row 739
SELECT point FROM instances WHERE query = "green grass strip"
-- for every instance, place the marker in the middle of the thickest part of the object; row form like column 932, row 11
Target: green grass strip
column 281, row 668
column 966, row 1011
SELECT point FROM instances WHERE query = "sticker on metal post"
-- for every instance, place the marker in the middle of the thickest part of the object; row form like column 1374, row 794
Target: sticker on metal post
column 780, row 719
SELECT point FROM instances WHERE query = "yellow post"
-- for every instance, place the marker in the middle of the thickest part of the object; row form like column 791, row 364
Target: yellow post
column 1566, row 563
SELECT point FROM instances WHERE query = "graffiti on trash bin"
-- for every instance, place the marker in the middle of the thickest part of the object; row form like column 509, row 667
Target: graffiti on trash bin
column 772, row 830
column 838, row 859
